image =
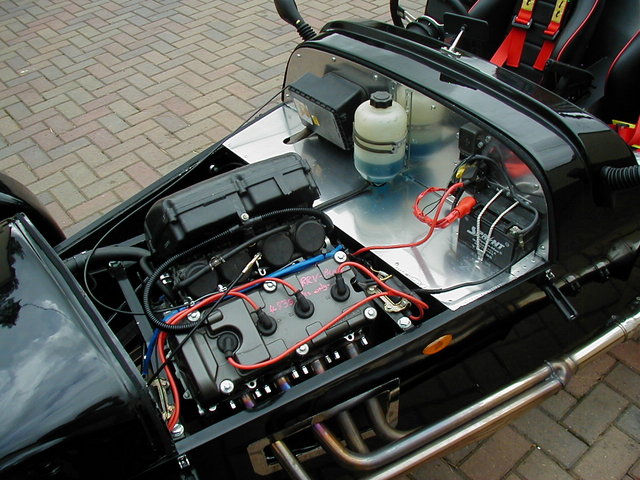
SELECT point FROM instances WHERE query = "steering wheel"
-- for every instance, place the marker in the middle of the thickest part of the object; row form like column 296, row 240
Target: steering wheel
column 397, row 13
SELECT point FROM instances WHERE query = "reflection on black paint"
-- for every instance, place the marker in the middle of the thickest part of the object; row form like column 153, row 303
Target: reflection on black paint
column 10, row 248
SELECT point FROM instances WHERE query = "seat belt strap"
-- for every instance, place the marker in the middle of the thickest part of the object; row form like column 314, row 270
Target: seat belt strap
column 550, row 34
column 629, row 132
column 510, row 51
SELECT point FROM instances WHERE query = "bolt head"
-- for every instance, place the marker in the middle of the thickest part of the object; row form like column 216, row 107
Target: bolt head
column 194, row 316
column 340, row 256
column 226, row 386
column 370, row 313
column 270, row 286
column 244, row 216
column 177, row 431
column 302, row 349
column 404, row 323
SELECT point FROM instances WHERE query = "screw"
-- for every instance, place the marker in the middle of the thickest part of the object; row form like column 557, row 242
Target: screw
column 186, row 395
column 194, row 316
column 333, row 59
column 371, row 290
column 370, row 313
column 244, row 216
column 183, row 461
column 404, row 323
column 177, row 431
column 302, row 349
column 269, row 286
column 340, row 257
column 226, row 386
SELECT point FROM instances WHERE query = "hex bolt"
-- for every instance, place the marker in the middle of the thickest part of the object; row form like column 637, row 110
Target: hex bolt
column 370, row 313
column 194, row 316
column 340, row 256
column 244, row 216
column 269, row 286
column 226, row 386
column 177, row 431
column 302, row 349
column 404, row 323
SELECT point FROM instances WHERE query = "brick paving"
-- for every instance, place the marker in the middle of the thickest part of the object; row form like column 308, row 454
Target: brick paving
column 99, row 98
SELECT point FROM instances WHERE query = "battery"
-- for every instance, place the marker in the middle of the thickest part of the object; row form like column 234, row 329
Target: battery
column 505, row 245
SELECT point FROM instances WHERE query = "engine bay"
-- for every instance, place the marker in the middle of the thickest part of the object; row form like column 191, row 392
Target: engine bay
column 289, row 263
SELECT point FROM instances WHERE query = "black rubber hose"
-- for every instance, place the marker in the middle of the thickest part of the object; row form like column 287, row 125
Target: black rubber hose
column 105, row 254
column 148, row 271
column 195, row 276
column 621, row 177
column 146, row 303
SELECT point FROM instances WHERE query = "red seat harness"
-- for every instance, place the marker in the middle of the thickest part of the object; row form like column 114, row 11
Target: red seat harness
column 510, row 51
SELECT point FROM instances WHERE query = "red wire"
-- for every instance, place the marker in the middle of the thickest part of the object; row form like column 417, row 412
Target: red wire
column 422, row 306
column 388, row 290
column 173, row 420
column 293, row 348
column 432, row 228
column 163, row 336
column 441, row 223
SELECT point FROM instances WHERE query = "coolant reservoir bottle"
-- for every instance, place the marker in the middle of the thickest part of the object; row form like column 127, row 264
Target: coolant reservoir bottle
column 425, row 122
column 380, row 133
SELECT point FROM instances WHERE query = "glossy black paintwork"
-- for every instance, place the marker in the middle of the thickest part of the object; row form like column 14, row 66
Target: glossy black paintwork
column 16, row 198
column 108, row 417
column 69, row 404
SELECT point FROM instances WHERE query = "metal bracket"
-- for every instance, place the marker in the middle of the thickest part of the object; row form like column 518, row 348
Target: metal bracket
column 557, row 297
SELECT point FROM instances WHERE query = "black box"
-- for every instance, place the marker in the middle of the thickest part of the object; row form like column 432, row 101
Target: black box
column 327, row 105
column 191, row 215
column 504, row 248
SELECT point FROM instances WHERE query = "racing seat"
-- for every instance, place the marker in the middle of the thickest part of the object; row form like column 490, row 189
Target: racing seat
column 575, row 24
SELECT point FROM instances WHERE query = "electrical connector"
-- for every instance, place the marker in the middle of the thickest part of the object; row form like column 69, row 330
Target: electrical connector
column 464, row 207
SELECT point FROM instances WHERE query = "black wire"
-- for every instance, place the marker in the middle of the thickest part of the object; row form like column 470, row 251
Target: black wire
column 472, row 283
column 197, row 325
column 146, row 301
column 344, row 197
column 85, row 270
column 206, row 269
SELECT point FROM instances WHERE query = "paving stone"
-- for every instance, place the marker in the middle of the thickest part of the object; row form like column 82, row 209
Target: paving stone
column 551, row 437
column 496, row 456
column 80, row 174
column 539, row 466
column 436, row 469
column 67, row 195
column 629, row 354
column 610, row 458
column 590, row 374
column 625, row 381
column 629, row 422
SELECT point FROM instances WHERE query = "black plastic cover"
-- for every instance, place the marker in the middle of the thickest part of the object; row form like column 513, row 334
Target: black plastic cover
column 195, row 213
column 327, row 105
